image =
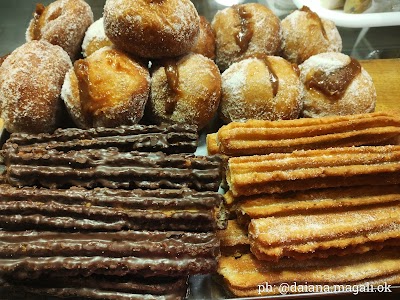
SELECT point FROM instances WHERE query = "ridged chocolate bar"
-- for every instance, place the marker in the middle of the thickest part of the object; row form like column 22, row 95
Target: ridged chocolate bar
column 113, row 169
column 109, row 210
column 102, row 287
column 29, row 254
column 176, row 138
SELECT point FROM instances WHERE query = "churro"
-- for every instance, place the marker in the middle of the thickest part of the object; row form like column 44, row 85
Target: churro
column 256, row 137
column 234, row 240
column 310, row 169
column 245, row 276
column 325, row 234
column 313, row 201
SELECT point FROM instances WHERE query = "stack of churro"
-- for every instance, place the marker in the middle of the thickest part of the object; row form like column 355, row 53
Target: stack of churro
column 103, row 214
column 312, row 201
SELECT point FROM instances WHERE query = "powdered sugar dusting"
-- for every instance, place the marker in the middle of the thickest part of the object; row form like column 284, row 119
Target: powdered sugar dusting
column 66, row 22
column 247, row 91
column 360, row 96
column 200, row 96
column 303, row 37
column 123, row 92
column 30, row 85
column 266, row 38
column 95, row 38
column 174, row 26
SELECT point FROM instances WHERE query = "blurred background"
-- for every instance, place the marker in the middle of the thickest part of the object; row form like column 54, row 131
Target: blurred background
column 376, row 42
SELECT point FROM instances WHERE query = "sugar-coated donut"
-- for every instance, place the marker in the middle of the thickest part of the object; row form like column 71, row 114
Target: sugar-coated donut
column 62, row 23
column 244, row 30
column 264, row 88
column 205, row 44
column 106, row 89
column 95, row 38
column 179, row 96
column 30, row 85
column 306, row 34
column 336, row 84
column 152, row 29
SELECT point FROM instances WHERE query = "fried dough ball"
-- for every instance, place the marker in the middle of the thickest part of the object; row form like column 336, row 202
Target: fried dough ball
column 30, row 85
column 177, row 96
column 62, row 23
column 336, row 84
column 265, row 88
column 95, row 38
column 106, row 89
column 205, row 44
column 306, row 34
column 245, row 30
column 152, row 29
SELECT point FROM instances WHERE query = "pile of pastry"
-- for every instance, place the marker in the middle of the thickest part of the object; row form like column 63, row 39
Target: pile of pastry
column 108, row 213
column 311, row 202
column 159, row 61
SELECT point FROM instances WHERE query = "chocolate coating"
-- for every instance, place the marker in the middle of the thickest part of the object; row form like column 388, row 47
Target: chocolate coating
column 113, row 169
column 176, row 138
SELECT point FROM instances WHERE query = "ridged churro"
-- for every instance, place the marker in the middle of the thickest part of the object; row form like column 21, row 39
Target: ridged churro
column 246, row 276
column 325, row 234
column 313, row 201
column 310, row 169
column 234, row 240
column 256, row 137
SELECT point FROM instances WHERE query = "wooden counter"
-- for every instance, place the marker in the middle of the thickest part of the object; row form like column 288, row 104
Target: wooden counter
column 386, row 76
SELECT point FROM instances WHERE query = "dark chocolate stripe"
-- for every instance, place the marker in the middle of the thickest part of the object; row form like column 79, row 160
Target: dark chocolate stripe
column 177, row 138
column 32, row 267
column 74, row 218
column 113, row 169
column 138, row 244
column 127, row 199
column 127, row 284
column 63, row 288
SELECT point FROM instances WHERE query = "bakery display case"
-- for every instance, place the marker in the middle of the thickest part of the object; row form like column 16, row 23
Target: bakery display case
column 310, row 187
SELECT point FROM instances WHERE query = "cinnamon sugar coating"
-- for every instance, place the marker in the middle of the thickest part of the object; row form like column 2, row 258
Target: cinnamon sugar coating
column 30, row 85
column 152, row 29
column 62, row 23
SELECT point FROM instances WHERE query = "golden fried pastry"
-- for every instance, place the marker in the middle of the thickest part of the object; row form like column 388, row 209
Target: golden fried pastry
column 324, row 234
column 177, row 96
column 264, row 137
column 313, row 201
column 95, row 38
column 246, row 276
column 30, row 85
column 306, row 34
column 336, row 84
column 302, row 170
column 107, row 89
column 234, row 240
column 152, row 29
column 211, row 142
column 265, row 88
column 205, row 44
column 244, row 30
column 62, row 23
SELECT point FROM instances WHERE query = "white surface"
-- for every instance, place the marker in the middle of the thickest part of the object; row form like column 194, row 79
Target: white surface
column 343, row 19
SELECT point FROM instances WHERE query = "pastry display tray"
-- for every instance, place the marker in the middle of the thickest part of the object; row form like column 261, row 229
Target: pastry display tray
column 378, row 19
column 205, row 287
